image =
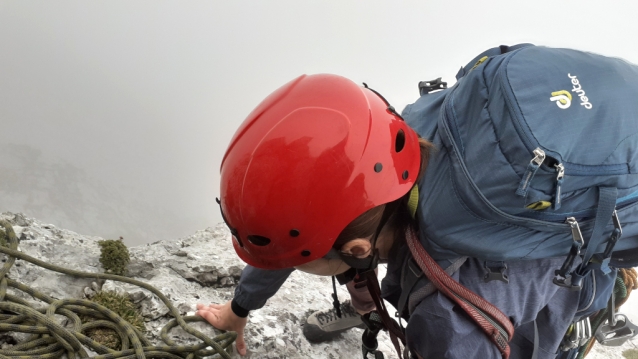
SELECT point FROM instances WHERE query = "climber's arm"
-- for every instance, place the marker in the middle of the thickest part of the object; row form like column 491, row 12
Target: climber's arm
column 256, row 286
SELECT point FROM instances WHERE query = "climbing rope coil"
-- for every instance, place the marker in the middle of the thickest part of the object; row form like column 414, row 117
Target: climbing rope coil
column 51, row 339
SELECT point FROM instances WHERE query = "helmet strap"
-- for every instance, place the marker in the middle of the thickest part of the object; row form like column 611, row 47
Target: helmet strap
column 359, row 266
column 364, row 275
column 371, row 262
column 366, row 263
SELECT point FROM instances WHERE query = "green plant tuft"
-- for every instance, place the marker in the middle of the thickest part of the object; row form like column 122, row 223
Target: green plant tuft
column 630, row 354
column 4, row 239
column 114, row 256
column 122, row 305
column 6, row 233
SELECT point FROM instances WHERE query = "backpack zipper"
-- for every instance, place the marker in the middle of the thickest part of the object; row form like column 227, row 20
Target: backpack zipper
column 532, row 168
column 534, row 165
column 530, row 142
column 557, row 224
column 563, row 275
column 560, row 169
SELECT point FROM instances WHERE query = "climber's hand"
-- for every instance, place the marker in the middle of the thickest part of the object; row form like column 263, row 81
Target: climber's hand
column 221, row 316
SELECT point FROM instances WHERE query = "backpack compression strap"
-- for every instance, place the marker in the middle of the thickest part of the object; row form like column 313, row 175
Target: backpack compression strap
column 494, row 323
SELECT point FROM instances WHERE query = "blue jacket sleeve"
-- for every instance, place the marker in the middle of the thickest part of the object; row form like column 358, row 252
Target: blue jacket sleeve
column 256, row 286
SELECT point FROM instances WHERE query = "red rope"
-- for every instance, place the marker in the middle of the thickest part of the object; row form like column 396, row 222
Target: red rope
column 464, row 297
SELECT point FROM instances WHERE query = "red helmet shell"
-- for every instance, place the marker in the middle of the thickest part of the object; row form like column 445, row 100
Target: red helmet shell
column 314, row 155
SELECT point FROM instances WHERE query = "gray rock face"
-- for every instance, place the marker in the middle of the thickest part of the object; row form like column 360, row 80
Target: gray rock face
column 202, row 268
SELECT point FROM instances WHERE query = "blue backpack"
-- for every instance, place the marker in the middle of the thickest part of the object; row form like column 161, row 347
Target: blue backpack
column 537, row 157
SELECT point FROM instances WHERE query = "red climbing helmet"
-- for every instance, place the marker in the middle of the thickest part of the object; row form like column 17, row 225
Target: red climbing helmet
column 313, row 156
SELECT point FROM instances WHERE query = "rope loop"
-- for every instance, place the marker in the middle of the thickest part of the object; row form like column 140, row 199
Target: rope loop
column 51, row 339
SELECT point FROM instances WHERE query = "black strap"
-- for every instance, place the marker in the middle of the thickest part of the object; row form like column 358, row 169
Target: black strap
column 606, row 205
column 411, row 275
column 369, row 279
column 335, row 298
column 369, row 343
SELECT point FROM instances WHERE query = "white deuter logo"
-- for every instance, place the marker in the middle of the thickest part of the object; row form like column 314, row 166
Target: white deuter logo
column 563, row 98
column 584, row 101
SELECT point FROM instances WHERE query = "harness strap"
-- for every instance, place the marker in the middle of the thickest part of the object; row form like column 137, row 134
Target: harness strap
column 369, row 279
column 411, row 275
column 420, row 294
column 369, row 343
column 606, row 206
column 494, row 323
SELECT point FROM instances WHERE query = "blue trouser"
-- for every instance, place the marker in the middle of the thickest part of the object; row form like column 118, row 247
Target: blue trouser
column 438, row 328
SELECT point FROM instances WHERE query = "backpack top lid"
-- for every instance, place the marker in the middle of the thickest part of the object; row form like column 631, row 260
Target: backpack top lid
column 579, row 109
column 579, row 106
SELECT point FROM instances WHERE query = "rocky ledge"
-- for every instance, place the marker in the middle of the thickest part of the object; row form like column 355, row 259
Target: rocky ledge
column 202, row 268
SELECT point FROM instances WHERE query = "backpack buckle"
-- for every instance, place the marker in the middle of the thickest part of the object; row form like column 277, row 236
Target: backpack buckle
column 616, row 334
column 425, row 87
column 497, row 274
column 615, row 236
column 564, row 277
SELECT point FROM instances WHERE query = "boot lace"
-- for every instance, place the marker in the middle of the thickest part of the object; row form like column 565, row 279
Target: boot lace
column 347, row 310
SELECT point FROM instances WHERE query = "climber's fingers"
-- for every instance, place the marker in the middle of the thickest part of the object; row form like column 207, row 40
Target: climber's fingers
column 240, row 343
column 223, row 317
column 210, row 306
column 204, row 307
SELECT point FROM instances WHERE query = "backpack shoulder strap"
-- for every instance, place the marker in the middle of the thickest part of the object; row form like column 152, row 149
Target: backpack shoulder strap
column 412, row 274
column 496, row 325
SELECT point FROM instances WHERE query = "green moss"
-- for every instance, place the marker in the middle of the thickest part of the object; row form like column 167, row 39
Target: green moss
column 105, row 336
column 630, row 354
column 114, row 256
column 4, row 239
column 6, row 233
column 121, row 305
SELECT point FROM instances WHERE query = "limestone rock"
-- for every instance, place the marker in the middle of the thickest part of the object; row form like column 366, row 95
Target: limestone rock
column 201, row 268
column 141, row 269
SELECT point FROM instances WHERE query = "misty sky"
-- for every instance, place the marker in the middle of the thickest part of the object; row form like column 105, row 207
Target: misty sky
column 145, row 95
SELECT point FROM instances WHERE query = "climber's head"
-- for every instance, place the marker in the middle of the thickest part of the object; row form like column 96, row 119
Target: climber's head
column 314, row 157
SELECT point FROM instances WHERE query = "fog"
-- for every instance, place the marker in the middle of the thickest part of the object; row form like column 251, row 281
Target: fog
column 115, row 114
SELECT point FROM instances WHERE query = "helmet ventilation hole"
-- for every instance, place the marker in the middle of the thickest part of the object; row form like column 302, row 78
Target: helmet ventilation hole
column 406, row 174
column 294, row 233
column 305, row 253
column 259, row 240
column 399, row 141
column 378, row 167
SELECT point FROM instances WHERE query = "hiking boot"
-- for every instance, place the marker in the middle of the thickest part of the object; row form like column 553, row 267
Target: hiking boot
column 324, row 325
